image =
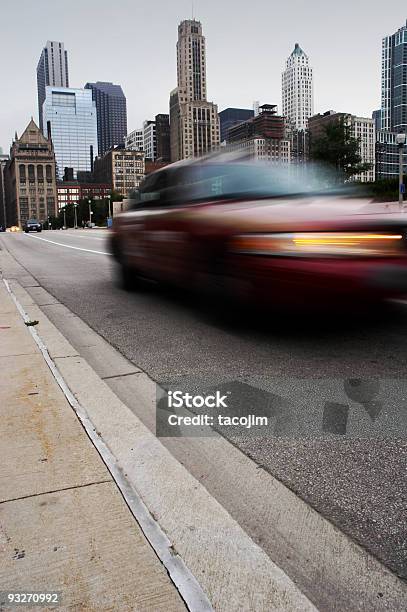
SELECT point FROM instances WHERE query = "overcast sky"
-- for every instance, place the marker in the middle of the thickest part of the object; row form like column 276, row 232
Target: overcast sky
column 132, row 42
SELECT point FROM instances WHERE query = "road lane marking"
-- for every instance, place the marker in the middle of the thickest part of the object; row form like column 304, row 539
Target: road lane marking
column 68, row 246
column 81, row 236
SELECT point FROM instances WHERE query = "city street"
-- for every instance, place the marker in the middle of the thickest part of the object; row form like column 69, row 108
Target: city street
column 356, row 482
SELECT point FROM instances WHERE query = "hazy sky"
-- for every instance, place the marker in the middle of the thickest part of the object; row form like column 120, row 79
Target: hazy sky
column 132, row 42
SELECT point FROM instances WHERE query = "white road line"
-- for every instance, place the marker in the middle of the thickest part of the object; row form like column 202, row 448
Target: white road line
column 68, row 246
column 79, row 236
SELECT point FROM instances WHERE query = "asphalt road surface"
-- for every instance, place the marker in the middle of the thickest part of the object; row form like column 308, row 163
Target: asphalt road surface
column 337, row 387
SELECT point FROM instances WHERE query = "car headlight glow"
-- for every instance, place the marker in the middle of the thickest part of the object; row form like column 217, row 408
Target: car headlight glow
column 329, row 244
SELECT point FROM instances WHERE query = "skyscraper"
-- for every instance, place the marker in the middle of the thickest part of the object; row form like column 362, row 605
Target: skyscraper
column 393, row 114
column 69, row 117
column 52, row 69
column 394, row 81
column 297, row 90
column 111, row 112
column 194, row 122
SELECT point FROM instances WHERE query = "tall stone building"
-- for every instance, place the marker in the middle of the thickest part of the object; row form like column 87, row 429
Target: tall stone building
column 52, row 69
column 298, row 100
column 297, row 89
column 29, row 177
column 194, row 122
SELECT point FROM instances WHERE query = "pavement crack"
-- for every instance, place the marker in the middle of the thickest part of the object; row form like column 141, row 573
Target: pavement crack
column 121, row 375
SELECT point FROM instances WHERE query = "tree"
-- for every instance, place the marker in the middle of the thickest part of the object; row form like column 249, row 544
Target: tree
column 338, row 148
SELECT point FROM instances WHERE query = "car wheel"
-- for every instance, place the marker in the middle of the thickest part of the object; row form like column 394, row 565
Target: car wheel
column 26, row 231
column 130, row 281
column 38, row 230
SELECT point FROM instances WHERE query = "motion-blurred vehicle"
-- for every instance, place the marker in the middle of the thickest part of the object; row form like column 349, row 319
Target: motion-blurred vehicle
column 32, row 225
column 261, row 233
column 14, row 228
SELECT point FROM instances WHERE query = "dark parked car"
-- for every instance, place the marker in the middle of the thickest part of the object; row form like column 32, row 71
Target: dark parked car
column 32, row 226
column 2, row 228
column 262, row 233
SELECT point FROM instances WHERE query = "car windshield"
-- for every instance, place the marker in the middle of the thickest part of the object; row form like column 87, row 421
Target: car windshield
column 229, row 180
column 32, row 221
column 214, row 179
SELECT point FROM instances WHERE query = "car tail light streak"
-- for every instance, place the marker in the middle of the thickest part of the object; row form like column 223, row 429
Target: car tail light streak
column 320, row 244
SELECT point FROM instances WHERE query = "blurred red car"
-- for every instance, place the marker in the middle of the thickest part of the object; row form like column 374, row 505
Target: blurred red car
column 261, row 233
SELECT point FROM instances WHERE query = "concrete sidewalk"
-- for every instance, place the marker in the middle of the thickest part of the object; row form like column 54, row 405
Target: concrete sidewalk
column 64, row 525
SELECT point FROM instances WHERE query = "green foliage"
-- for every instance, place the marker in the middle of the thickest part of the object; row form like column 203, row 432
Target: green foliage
column 116, row 196
column 338, row 148
column 100, row 210
column 385, row 190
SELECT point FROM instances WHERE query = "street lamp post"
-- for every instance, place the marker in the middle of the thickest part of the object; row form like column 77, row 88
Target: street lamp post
column 90, row 212
column 75, row 206
column 64, row 217
column 401, row 141
column 110, row 210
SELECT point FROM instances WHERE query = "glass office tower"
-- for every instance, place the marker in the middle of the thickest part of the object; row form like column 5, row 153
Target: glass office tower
column 52, row 70
column 111, row 114
column 394, row 81
column 69, row 117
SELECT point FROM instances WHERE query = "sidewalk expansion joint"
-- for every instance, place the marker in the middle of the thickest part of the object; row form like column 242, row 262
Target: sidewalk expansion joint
column 20, row 354
column 87, row 484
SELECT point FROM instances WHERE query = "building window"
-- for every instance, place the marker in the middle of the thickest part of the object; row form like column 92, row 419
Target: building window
column 22, row 173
